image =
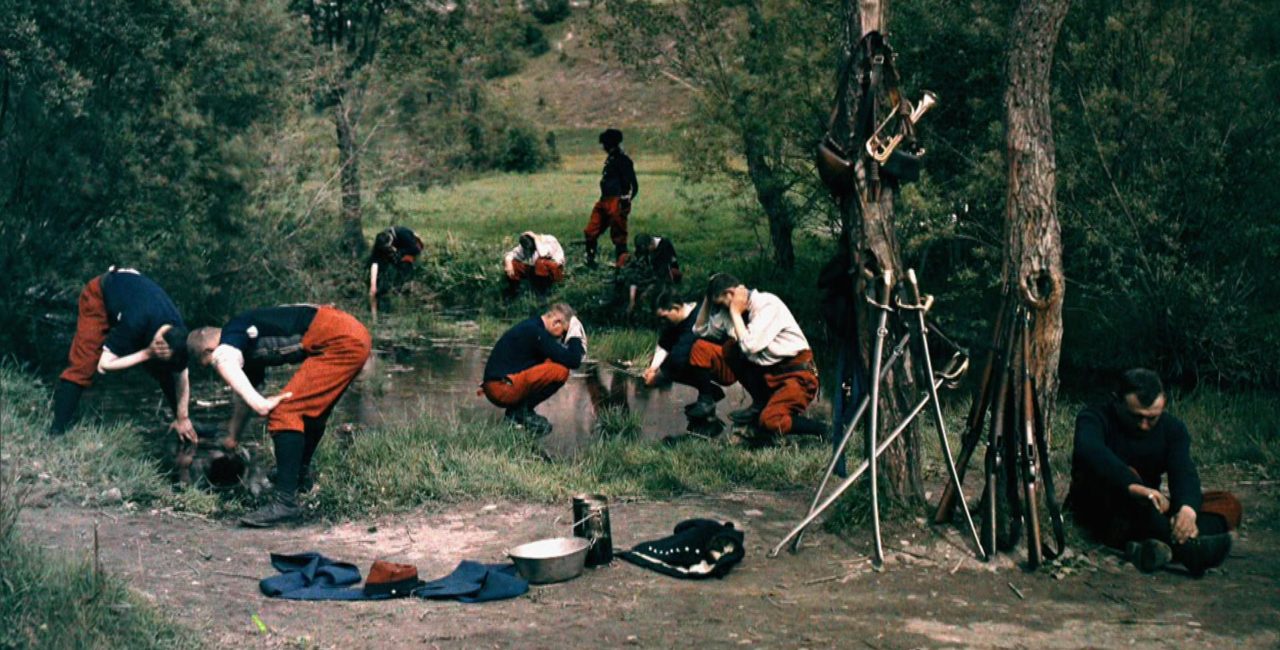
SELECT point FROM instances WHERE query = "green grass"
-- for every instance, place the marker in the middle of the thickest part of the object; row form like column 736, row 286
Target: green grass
column 54, row 601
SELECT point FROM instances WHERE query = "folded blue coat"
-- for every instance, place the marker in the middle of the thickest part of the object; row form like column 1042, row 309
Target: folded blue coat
column 311, row 576
column 472, row 582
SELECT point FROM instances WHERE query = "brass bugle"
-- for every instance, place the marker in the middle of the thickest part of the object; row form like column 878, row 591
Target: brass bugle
column 881, row 148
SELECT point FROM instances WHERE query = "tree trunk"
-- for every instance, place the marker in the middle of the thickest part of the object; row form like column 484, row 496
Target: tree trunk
column 1033, row 252
column 771, row 190
column 349, row 161
column 877, row 251
column 771, row 195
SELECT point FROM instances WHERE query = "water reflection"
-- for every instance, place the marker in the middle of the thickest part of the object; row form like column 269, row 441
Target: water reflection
column 400, row 386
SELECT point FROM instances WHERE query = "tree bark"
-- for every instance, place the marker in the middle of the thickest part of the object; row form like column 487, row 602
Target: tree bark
column 877, row 251
column 1033, row 235
column 771, row 190
column 349, row 162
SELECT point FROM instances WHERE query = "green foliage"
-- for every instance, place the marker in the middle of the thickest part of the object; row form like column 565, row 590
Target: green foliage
column 1162, row 116
column 549, row 12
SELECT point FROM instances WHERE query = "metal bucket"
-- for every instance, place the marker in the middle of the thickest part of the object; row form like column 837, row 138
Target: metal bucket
column 591, row 521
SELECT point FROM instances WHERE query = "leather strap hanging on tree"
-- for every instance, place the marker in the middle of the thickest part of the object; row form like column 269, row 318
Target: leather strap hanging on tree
column 880, row 123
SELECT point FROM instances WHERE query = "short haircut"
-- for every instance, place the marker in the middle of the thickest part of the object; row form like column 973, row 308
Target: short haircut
column 196, row 340
column 563, row 309
column 611, row 137
column 643, row 242
column 720, row 283
column 176, row 339
column 383, row 240
column 1141, row 383
column 526, row 241
column 667, row 299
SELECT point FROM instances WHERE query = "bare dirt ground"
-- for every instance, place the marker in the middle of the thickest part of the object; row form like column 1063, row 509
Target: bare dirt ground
column 929, row 595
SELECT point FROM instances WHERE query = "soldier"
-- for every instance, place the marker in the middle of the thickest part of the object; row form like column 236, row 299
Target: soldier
column 125, row 319
column 618, row 187
column 331, row 346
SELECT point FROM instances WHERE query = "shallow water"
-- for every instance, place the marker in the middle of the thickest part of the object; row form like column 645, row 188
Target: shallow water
column 399, row 386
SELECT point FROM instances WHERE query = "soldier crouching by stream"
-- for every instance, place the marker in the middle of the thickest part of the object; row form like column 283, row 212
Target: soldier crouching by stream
column 331, row 346
column 530, row 362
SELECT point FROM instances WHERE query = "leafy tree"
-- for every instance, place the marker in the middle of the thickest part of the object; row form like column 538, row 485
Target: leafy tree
column 759, row 71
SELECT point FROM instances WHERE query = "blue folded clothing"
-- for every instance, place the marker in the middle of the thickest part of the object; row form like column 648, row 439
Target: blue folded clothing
column 311, row 576
column 473, row 582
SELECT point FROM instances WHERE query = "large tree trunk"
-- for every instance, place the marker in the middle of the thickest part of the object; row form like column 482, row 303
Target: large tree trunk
column 349, row 161
column 1033, row 235
column 877, row 251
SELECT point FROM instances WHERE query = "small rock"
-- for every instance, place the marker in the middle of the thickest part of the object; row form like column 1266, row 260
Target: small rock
column 491, row 506
column 371, row 529
column 752, row 513
column 111, row 496
column 633, row 639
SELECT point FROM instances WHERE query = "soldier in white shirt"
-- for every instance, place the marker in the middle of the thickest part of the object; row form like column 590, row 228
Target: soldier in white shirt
column 538, row 259
column 750, row 336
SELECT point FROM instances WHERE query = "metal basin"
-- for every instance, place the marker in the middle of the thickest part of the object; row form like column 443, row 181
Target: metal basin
column 550, row 560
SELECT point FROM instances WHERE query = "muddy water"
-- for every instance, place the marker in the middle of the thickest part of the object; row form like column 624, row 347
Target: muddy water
column 400, row 386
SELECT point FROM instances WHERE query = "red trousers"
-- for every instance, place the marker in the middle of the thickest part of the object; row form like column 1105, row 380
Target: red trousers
column 533, row 385
column 337, row 346
column 786, row 388
column 544, row 269
column 608, row 213
column 91, row 334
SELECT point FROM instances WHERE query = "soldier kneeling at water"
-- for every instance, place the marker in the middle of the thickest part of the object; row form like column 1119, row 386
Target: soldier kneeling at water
column 671, row 356
column 763, row 349
column 536, row 258
column 531, row 361
column 332, row 347
column 1122, row 451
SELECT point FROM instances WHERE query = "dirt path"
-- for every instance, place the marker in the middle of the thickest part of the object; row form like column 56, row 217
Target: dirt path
column 205, row 573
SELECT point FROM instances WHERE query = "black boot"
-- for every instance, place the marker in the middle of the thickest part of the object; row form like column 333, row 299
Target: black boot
column 747, row 415
column 281, row 509
column 1149, row 555
column 702, row 409
column 1202, row 553
column 806, row 426
column 66, row 397
column 591, row 255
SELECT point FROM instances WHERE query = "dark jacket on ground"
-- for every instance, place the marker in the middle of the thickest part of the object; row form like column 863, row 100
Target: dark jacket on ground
column 527, row 344
column 619, row 176
column 1105, row 450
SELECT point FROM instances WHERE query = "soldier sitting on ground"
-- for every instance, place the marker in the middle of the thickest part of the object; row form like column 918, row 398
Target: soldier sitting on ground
column 536, row 258
column 530, row 362
column 391, row 261
column 1122, row 451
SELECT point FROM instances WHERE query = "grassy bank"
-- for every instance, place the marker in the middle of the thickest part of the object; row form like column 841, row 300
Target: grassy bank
column 52, row 601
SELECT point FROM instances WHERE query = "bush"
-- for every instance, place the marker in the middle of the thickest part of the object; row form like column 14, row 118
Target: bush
column 550, row 12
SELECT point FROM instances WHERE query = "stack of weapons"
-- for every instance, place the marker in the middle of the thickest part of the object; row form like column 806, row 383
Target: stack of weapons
column 912, row 309
column 1017, row 458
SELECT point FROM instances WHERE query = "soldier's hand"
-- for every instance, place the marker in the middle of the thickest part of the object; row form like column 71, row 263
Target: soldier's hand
column 185, row 429
column 1184, row 525
column 650, row 376
column 159, row 347
column 738, row 304
column 269, row 404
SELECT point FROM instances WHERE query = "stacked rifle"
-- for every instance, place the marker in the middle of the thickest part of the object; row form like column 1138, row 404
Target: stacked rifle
column 1017, row 449
column 1016, row 466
